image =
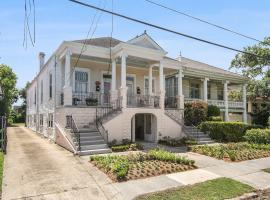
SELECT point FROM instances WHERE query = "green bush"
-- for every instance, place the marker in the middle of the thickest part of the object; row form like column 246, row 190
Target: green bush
column 259, row 136
column 215, row 119
column 213, row 111
column 225, row 131
column 195, row 113
column 127, row 147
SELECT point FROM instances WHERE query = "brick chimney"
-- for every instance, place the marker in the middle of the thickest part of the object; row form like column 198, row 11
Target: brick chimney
column 41, row 60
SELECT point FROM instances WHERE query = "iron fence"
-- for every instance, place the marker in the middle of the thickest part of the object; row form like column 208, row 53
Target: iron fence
column 142, row 101
column 3, row 133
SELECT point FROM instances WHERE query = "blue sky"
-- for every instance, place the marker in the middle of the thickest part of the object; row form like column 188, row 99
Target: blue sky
column 62, row 20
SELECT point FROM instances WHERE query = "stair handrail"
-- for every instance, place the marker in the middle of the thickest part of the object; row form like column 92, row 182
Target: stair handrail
column 70, row 124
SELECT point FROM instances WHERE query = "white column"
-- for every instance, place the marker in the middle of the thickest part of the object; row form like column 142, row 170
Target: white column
column 113, row 86
column 161, row 86
column 205, row 91
column 226, row 101
column 124, row 80
column 180, row 103
column 244, row 103
column 150, row 80
column 67, row 90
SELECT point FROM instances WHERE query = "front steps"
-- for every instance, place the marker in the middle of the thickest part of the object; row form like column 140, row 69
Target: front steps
column 91, row 142
column 196, row 134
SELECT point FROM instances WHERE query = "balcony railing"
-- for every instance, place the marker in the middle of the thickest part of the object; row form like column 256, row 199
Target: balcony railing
column 143, row 101
column 91, row 99
column 218, row 103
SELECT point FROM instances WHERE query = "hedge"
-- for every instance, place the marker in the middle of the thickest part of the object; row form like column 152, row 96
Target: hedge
column 259, row 136
column 225, row 131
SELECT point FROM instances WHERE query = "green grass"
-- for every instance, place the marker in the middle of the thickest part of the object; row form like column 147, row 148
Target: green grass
column 221, row 188
column 1, row 169
column 267, row 170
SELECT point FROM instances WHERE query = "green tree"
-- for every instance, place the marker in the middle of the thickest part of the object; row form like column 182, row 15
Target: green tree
column 8, row 80
column 22, row 94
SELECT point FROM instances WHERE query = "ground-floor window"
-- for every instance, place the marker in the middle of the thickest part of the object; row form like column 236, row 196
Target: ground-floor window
column 50, row 120
column 41, row 119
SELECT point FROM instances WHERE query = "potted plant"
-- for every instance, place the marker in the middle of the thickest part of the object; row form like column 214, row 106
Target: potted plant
column 91, row 101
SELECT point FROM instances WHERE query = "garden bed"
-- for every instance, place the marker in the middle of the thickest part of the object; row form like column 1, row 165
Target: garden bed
column 127, row 147
column 234, row 151
column 141, row 165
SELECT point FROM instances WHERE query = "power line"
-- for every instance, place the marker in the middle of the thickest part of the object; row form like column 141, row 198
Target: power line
column 165, row 29
column 204, row 21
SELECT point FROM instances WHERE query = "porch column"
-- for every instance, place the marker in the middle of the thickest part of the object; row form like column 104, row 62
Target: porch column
column 205, row 91
column 67, row 90
column 113, row 86
column 180, row 103
column 161, row 86
column 226, row 101
column 150, row 80
column 244, row 103
column 123, row 88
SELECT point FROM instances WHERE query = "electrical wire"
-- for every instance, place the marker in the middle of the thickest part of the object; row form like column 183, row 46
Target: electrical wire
column 167, row 30
column 204, row 21
column 110, row 63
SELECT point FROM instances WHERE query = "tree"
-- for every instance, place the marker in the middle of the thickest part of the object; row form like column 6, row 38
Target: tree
column 22, row 94
column 8, row 80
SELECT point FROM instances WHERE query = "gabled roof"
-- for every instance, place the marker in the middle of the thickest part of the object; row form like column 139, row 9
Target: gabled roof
column 106, row 42
column 145, row 40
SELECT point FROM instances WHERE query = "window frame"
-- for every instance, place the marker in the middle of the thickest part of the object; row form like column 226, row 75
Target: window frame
column 88, row 71
column 153, row 85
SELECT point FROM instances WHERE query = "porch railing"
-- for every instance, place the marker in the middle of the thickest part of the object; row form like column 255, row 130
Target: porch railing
column 143, row 101
column 170, row 102
column 219, row 103
column 91, row 99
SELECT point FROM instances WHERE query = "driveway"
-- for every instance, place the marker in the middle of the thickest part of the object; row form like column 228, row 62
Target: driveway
column 34, row 168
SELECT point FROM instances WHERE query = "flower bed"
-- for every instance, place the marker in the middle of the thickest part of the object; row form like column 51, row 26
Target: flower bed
column 140, row 165
column 127, row 147
column 234, row 151
column 175, row 142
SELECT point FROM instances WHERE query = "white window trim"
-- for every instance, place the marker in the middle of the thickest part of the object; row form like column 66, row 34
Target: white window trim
column 79, row 69
column 155, row 83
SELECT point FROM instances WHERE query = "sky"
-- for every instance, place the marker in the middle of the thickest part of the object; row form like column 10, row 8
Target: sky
column 62, row 20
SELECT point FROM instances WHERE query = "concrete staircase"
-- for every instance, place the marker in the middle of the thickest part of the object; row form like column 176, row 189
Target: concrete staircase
column 91, row 141
column 197, row 135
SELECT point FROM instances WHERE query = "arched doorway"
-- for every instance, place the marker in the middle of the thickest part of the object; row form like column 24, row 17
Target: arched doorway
column 144, row 127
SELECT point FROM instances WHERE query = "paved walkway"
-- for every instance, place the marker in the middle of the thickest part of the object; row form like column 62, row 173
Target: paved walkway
column 36, row 169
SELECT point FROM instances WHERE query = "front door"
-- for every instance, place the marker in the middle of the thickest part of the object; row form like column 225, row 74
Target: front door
column 106, row 88
column 130, row 90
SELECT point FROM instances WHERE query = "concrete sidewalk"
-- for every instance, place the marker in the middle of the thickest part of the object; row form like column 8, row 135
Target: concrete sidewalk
column 36, row 169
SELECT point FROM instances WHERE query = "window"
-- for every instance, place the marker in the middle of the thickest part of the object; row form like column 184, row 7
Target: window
column 208, row 91
column 194, row 90
column 50, row 120
column 41, row 92
column 50, row 85
column 41, row 119
column 171, row 86
column 146, row 86
column 220, row 92
column 35, row 100
column 81, row 82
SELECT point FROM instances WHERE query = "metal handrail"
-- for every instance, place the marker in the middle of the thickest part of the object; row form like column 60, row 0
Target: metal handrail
column 70, row 124
column 91, row 98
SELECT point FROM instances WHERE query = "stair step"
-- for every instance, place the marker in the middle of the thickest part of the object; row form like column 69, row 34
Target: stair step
column 88, row 130
column 89, row 133
column 89, row 138
column 95, row 151
column 92, row 142
column 95, row 146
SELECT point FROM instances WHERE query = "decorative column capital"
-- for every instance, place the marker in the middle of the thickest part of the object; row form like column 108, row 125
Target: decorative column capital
column 68, row 52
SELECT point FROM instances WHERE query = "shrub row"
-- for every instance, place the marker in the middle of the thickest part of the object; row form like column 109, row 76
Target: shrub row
column 127, row 147
column 225, row 131
column 259, row 136
column 176, row 142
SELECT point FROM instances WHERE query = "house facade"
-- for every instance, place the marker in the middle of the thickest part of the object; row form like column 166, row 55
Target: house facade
column 91, row 92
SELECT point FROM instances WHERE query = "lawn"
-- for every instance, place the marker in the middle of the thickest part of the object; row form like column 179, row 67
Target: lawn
column 267, row 170
column 141, row 165
column 234, row 151
column 1, row 169
column 221, row 188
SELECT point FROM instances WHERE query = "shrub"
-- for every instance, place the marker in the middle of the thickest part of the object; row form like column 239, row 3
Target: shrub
column 120, row 148
column 176, row 142
column 259, row 136
column 225, row 131
column 262, row 117
column 213, row 111
column 195, row 113
column 126, row 141
column 215, row 119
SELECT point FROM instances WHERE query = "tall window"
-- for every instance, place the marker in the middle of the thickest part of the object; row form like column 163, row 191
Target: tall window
column 208, row 91
column 41, row 92
column 81, row 82
column 194, row 90
column 50, row 120
column 35, row 100
column 50, row 85
column 41, row 119
column 146, row 86
column 171, row 86
column 220, row 92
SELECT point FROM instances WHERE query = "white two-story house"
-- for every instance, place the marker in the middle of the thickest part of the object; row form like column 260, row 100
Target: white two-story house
column 91, row 92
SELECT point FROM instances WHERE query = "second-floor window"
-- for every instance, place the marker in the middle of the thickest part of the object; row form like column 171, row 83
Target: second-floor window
column 50, row 85
column 81, row 82
column 194, row 90
column 146, row 86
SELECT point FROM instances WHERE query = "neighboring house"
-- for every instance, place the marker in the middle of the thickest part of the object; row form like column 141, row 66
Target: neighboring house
column 84, row 103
